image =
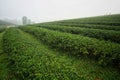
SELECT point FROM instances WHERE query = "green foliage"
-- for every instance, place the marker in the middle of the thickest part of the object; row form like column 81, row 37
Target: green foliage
column 3, row 61
column 105, row 52
column 94, row 26
column 95, row 33
column 29, row 60
column 22, row 57
column 3, row 66
column 2, row 29
column 110, row 22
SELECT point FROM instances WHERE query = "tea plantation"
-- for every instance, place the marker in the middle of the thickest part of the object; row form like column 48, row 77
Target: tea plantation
column 76, row 49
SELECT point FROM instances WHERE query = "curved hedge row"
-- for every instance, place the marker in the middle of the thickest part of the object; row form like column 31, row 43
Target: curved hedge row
column 105, row 52
column 31, row 61
column 95, row 33
column 94, row 26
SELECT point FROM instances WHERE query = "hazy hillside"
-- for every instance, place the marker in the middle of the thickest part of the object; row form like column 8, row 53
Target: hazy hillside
column 14, row 21
column 76, row 49
column 4, row 23
column 113, row 20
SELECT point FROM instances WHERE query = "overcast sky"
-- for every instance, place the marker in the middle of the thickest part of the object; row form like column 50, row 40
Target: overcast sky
column 49, row 10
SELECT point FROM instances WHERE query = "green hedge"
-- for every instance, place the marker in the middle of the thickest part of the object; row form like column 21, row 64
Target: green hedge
column 93, row 26
column 29, row 60
column 95, row 33
column 105, row 52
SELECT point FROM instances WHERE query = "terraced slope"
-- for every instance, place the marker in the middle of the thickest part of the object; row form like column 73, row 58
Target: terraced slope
column 77, row 49
column 62, row 42
column 105, row 52
column 110, row 22
column 32, row 60
column 110, row 35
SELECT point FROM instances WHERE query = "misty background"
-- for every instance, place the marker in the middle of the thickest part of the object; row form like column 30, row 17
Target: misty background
column 51, row 10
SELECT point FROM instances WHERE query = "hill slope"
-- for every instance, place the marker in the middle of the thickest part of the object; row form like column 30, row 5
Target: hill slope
column 77, row 49
column 113, row 20
column 4, row 23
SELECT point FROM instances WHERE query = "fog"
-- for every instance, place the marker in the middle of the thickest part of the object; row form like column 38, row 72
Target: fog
column 50, row 10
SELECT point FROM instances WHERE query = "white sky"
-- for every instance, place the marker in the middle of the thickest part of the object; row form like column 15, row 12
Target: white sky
column 49, row 10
